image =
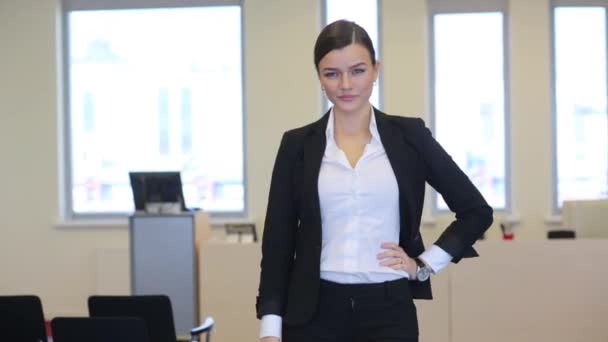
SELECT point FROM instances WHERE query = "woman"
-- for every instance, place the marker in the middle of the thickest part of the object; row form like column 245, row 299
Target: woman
column 342, row 253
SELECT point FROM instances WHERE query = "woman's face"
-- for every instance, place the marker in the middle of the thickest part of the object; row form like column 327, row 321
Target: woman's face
column 348, row 77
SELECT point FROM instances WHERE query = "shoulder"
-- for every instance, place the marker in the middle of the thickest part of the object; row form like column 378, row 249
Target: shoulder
column 405, row 122
column 412, row 128
column 298, row 135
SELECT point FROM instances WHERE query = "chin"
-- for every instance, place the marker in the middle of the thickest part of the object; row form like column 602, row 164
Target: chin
column 348, row 107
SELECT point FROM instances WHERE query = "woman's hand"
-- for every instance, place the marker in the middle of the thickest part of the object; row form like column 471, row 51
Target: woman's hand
column 270, row 339
column 395, row 257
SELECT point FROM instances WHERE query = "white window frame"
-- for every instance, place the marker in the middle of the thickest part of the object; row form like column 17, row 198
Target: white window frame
column 556, row 208
column 66, row 198
column 473, row 6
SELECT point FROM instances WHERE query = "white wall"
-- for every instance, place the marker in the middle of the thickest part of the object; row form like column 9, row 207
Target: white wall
column 58, row 262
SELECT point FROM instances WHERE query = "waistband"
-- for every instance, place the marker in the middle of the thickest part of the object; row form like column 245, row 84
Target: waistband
column 399, row 287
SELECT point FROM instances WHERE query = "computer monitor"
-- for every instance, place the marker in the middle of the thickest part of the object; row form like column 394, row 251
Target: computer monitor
column 159, row 190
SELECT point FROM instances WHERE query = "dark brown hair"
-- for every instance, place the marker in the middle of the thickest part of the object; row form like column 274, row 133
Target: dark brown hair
column 340, row 34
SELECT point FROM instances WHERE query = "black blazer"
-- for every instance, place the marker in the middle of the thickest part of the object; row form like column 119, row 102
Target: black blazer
column 291, row 247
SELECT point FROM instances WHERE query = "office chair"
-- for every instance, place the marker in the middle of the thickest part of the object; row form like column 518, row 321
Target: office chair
column 104, row 329
column 155, row 310
column 21, row 319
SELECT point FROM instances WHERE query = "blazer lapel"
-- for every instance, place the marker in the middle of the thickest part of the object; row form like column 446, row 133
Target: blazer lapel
column 401, row 159
column 314, row 149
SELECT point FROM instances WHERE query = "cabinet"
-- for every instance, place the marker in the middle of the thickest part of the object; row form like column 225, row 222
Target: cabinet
column 164, row 260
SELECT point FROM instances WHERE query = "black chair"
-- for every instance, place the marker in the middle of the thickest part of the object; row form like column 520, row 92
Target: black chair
column 155, row 310
column 104, row 329
column 21, row 319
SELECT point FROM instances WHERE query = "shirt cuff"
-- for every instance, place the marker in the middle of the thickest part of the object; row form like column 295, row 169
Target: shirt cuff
column 436, row 258
column 271, row 326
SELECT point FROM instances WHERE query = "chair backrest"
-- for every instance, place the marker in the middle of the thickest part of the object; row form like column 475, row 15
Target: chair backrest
column 21, row 319
column 154, row 310
column 561, row 234
column 99, row 329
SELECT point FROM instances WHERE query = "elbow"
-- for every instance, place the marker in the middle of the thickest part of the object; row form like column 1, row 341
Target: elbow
column 486, row 217
column 481, row 216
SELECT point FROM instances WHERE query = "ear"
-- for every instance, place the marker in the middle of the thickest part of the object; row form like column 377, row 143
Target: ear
column 377, row 70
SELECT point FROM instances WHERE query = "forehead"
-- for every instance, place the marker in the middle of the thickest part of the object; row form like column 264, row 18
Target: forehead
column 346, row 57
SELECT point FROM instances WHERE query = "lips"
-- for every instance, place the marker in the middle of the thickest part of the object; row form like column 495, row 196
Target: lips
column 347, row 98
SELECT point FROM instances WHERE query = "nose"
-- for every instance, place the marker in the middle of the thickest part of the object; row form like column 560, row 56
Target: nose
column 345, row 83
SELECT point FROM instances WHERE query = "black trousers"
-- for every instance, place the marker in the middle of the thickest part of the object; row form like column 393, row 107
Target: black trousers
column 382, row 312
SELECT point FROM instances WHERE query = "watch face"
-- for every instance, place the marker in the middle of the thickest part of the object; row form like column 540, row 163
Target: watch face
column 423, row 274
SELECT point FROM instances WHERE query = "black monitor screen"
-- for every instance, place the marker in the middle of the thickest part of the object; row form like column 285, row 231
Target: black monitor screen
column 156, row 187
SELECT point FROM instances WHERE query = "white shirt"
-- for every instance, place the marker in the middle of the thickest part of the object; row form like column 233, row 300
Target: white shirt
column 359, row 212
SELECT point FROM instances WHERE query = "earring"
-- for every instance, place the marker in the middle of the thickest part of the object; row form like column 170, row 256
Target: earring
column 323, row 90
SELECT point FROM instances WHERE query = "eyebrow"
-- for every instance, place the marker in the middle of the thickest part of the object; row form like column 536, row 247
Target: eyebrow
column 351, row 67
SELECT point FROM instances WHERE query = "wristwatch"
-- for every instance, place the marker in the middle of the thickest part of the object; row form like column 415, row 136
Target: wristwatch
column 423, row 272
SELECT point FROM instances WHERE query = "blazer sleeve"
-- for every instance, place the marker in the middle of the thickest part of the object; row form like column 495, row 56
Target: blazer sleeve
column 278, row 240
column 473, row 214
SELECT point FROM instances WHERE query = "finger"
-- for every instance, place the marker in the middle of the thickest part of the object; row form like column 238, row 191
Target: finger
column 396, row 265
column 391, row 261
column 384, row 255
column 390, row 253
column 389, row 245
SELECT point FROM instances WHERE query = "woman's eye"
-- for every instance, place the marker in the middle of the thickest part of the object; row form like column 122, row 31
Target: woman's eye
column 331, row 74
column 358, row 71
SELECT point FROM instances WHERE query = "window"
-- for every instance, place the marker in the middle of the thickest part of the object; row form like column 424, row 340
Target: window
column 153, row 89
column 581, row 135
column 468, row 83
column 365, row 14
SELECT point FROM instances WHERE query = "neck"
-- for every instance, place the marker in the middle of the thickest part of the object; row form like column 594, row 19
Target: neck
column 353, row 123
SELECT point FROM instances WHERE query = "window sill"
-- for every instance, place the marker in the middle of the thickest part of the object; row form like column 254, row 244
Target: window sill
column 428, row 221
column 92, row 223
column 123, row 222
column 554, row 220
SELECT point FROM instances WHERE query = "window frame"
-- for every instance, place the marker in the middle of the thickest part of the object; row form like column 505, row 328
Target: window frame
column 435, row 7
column 66, row 201
column 553, row 5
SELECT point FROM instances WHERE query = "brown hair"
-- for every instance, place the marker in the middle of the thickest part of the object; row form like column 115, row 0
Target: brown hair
column 338, row 35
